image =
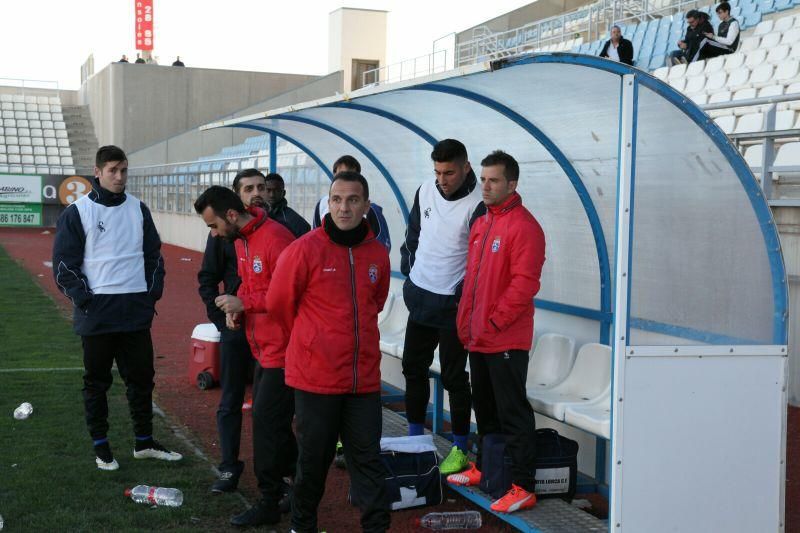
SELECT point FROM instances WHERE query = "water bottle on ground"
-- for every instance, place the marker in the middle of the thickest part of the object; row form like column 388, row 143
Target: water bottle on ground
column 1, row 522
column 155, row 495
column 23, row 411
column 459, row 520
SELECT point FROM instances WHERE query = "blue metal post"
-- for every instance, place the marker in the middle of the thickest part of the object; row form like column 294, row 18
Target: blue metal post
column 273, row 152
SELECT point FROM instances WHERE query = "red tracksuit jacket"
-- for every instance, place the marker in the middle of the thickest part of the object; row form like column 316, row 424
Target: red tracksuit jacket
column 329, row 296
column 257, row 252
column 504, row 264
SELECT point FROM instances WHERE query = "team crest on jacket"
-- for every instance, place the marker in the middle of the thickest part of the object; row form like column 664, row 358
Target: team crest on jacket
column 257, row 265
column 373, row 273
column 496, row 244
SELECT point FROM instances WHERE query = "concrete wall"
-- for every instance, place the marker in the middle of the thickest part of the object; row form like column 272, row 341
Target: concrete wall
column 538, row 10
column 355, row 34
column 192, row 144
column 134, row 106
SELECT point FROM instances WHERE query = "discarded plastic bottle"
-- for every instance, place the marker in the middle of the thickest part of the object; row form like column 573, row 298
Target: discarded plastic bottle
column 459, row 520
column 23, row 411
column 1, row 522
column 155, row 495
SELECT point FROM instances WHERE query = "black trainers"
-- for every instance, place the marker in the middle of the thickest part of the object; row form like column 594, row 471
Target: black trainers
column 151, row 449
column 339, row 460
column 262, row 513
column 104, row 458
column 226, row 482
column 285, row 504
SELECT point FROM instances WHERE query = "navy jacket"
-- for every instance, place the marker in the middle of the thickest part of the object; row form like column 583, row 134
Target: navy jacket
column 219, row 265
column 289, row 218
column 95, row 314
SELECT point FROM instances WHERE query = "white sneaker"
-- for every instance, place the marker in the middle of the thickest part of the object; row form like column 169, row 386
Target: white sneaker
column 102, row 465
column 157, row 451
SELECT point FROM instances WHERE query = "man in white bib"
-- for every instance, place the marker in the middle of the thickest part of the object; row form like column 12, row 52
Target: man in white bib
column 434, row 257
column 107, row 261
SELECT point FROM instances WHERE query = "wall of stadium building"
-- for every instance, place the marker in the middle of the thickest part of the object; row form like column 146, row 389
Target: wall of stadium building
column 134, row 106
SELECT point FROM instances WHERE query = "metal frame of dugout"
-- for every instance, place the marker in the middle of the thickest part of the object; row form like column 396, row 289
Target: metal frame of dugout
column 659, row 244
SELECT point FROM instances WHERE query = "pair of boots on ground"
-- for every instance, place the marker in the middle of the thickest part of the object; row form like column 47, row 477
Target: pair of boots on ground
column 145, row 448
column 263, row 512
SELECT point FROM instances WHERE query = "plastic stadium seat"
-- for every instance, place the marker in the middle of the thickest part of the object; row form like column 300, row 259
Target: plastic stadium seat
column 58, row 117
column 20, row 115
column 47, row 124
column 695, row 85
column 787, row 71
column 743, row 94
column 749, row 123
column 752, row 157
column 19, row 106
column 551, row 362
column 2, row 144
column 61, row 134
column 53, row 160
column 751, row 19
column 45, row 116
column 737, row 78
column 726, row 123
column 24, row 141
column 716, row 81
column 3, row 159
column 5, row 98
column 778, row 54
column 55, row 108
column 766, row 6
column 14, row 158
column 11, row 130
column 26, row 150
column 50, row 142
column 678, row 83
column 27, row 159
column 588, row 381
column 783, row 5
column 695, row 69
column 677, row 71
column 37, row 132
column 17, row 98
column 594, row 417
column 51, row 150
column 762, row 75
column 62, row 142
column 661, row 73
column 734, row 61
column 15, row 169
column 788, row 155
column 784, row 24
column 393, row 328
column 40, row 160
column 770, row 90
column 770, row 40
column 67, row 152
column 31, row 107
column 22, row 123
column 699, row 98
column 794, row 53
column 67, row 161
column 37, row 141
column 12, row 141
column 714, row 64
column 785, row 120
column 43, row 170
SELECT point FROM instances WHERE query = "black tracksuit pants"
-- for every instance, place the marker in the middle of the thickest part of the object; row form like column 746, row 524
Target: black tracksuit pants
column 274, row 444
column 420, row 343
column 321, row 418
column 236, row 363
column 501, row 406
column 133, row 351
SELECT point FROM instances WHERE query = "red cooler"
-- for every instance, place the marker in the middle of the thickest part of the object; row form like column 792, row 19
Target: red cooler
column 204, row 356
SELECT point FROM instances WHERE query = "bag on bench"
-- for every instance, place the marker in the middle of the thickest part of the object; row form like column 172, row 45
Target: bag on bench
column 412, row 474
column 556, row 465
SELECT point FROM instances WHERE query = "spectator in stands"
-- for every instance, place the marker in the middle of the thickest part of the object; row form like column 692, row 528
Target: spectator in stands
column 726, row 41
column 107, row 261
column 124, row 59
column 434, row 258
column 698, row 26
column 278, row 209
column 332, row 280
column 374, row 214
column 618, row 48
column 139, row 60
column 495, row 323
column 236, row 361
column 178, row 62
column 259, row 242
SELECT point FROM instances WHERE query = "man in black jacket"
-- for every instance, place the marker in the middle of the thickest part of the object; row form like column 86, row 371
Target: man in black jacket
column 698, row 26
column 618, row 48
column 236, row 360
column 278, row 208
column 107, row 261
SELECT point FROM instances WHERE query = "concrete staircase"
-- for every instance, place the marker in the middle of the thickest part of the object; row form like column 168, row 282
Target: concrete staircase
column 82, row 140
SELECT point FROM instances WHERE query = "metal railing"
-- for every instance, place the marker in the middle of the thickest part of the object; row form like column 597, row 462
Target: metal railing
column 23, row 85
column 409, row 69
column 174, row 187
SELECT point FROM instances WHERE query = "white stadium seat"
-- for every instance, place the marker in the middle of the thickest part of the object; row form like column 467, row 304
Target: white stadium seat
column 43, row 170
column 12, row 140
column 755, row 58
column 714, row 64
column 36, row 132
column 738, row 78
column 62, row 142
column 770, row 40
column 762, row 75
column 726, row 123
column 750, row 123
column 14, row 158
column 53, row 160
column 778, row 54
column 61, row 134
column 594, row 417
column 695, row 69
column 752, row 157
column 749, row 44
column 66, row 161
column 26, row 150
column 784, row 120
column 661, row 73
column 551, row 361
column 699, row 98
column 66, row 152
column 734, row 61
column 788, row 155
column 588, row 381
column 695, row 84
column 770, row 90
column 764, row 27
column 791, row 36
column 50, row 142
column 22, row 123
column 784, row 24
column 677, row 71
column 51, row 150
column 787, row 71
column 37, row 141
column 55, row 100
column 39, row 150
column 40, row 159
column 716, row 81
column 42, row 100
column 744, row 94
column 678, row 83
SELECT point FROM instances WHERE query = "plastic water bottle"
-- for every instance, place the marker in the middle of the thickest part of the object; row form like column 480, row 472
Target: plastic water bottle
column 23, row 411
column 1, row 522
column 155, row 495
column 459, row 520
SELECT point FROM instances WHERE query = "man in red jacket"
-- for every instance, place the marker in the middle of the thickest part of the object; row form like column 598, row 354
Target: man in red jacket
column 495, row 323
column 327, row 290
column 259, row 241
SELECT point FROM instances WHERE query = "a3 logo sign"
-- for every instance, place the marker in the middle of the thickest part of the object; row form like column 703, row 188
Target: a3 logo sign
column 73, row 188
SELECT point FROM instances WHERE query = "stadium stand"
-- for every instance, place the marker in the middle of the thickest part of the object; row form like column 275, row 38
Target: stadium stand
column 33, row 135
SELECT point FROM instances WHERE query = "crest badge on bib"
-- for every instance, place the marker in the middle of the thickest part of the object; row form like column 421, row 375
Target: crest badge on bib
column 257, row 265
column 373, row 273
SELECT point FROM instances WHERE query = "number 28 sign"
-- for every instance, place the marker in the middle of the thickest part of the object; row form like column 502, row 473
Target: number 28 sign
column 143, row 18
